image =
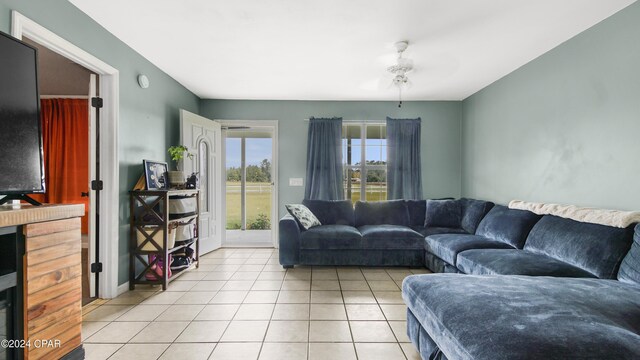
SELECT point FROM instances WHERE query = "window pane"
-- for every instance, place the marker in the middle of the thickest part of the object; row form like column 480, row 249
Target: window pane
column 376, row 145
column 376, row 155
column 234, row 175
column 351, row 184
column 258, row 184
column 376, row 186
column 374, row 150
column 376, row 134
column 351, row 144
column 352, row 131
column 356, row 156
column 203, row 170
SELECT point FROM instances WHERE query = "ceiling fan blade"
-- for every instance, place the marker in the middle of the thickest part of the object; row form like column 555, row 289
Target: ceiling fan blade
column 408, row 84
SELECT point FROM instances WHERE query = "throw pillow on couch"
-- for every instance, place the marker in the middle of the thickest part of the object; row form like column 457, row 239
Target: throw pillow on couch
column 303, row 215
column 443, row 213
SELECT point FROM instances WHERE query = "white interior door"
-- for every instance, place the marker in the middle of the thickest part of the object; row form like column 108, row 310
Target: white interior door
column 92, row 194
column 203, row 137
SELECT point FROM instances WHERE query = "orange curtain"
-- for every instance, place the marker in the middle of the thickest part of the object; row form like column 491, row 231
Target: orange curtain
column 65, row 139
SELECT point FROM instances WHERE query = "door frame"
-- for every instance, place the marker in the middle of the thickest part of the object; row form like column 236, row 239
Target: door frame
column 272, row 125
column 93, row 81
column 110, row 92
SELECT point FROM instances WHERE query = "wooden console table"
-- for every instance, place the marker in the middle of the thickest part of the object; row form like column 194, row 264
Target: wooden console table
column 49, row 273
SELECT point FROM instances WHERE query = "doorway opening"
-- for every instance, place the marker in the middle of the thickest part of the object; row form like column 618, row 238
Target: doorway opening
column 105, row 211
column 250, row 197
column 68, row 147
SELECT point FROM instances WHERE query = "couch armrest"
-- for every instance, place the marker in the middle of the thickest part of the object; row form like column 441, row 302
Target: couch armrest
column 289, row 239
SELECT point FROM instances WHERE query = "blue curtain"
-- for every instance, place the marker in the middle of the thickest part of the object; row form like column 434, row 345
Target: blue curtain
column 324, row 160
column 404, row 176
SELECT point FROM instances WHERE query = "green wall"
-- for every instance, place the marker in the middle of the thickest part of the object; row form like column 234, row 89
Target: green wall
column 149, row 119
column 440, row 135
column 560, row 129
column 563, row 128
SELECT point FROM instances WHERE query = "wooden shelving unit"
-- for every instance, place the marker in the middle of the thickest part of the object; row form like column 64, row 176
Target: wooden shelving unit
column 150, row 215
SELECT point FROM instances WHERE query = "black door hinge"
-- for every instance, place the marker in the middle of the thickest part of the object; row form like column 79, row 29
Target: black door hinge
column 96, row 185
column 96, row 102
column 96, row 267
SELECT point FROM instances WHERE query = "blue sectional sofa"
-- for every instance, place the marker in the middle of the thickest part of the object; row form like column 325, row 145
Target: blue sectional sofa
column 386, row 233
column 501, row 228
column 452, row 316
column 571, row 290
column 518, row 242
column 568, row 306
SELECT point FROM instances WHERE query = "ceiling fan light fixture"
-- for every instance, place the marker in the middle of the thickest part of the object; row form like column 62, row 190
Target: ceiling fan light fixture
column 400, row 69
column 401, row 46
column 400, row 80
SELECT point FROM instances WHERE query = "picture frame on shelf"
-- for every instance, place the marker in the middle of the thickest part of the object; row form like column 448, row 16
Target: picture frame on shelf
column 156, row 175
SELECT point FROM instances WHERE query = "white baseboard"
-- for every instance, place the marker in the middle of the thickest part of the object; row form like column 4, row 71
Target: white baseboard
column 263, row 245
column 123, row 288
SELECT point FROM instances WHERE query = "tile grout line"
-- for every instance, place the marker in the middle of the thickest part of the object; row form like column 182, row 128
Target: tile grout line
column 309, row 319
column 353, row 340
column 387, row 320
column 263, row 262
column 121, row 346
column 226, row 327
column 264, row 337
column 190, row 322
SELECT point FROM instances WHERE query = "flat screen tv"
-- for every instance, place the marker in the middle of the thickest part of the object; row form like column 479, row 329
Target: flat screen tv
column 21, row 161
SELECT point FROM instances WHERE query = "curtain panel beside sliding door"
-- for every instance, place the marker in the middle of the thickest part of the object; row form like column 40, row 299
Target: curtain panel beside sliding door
column 324, row 160
column 404, row 175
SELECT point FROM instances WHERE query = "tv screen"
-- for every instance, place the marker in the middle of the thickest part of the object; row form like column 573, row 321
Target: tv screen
column 21, row 163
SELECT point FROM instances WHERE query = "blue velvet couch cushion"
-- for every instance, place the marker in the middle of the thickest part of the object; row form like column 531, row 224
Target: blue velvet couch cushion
column 522, row 317
column 515, row 262
column 289, row 240
column 443, row 213
column 392, row 212
column 597, row 249
column 332, row 212
column 428, row 231
column 447, row 246
column 630, row 267
column 510, row 226
column 419, row 337
column 417, row 210
column 473, row 211
column 390, row 237
column 331, row 237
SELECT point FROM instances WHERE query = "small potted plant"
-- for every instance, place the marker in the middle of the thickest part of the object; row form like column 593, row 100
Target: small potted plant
column 178, row 153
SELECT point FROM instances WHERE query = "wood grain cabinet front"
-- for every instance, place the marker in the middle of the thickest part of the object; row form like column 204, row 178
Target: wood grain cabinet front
column 52, row 288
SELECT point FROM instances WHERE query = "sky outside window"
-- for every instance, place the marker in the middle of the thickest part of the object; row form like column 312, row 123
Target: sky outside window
column 256, row 151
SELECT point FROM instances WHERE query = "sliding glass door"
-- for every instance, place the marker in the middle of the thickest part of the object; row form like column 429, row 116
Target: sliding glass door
column 249, row 187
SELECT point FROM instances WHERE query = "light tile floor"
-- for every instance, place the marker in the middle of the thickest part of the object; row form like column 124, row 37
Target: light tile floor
column 241, row 304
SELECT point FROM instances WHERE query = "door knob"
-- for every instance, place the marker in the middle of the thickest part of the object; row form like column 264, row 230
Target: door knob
column 84, row 194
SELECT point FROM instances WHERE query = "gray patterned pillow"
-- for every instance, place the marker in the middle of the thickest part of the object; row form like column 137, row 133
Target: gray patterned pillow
column 630, row 268
column 304, row 216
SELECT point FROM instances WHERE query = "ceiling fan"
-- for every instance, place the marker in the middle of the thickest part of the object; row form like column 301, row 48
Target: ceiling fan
column 400, row 70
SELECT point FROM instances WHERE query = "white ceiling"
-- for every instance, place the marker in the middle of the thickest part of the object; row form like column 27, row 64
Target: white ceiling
column 339, row 49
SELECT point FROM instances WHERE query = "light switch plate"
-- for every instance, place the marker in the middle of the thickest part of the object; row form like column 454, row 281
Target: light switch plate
column 295, row 182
